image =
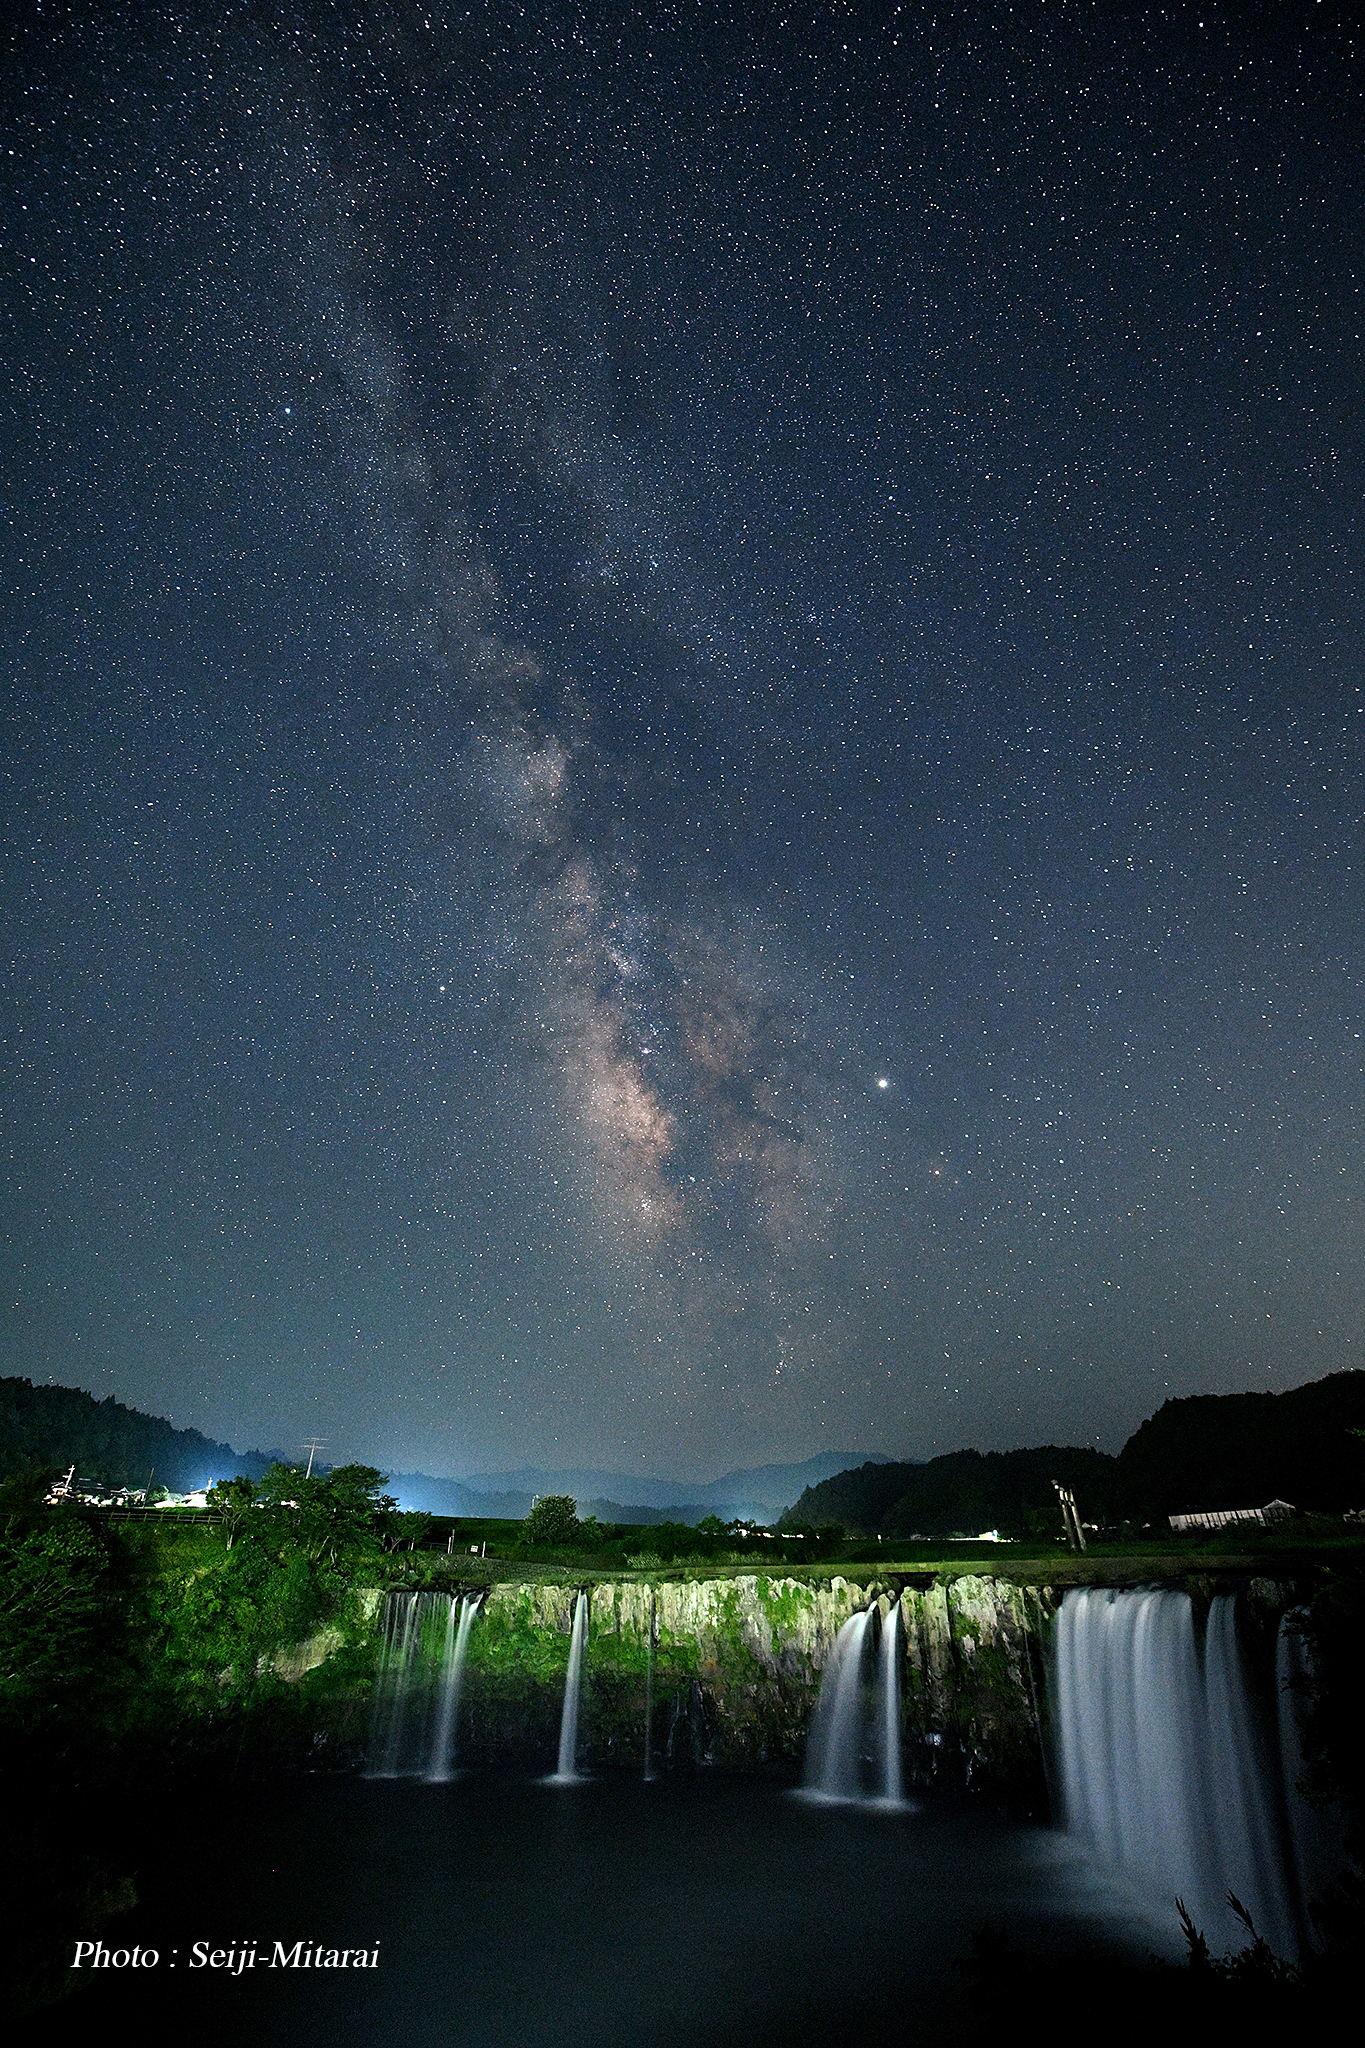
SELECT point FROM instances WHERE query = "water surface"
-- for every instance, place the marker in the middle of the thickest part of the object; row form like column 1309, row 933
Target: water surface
column 511, row 1913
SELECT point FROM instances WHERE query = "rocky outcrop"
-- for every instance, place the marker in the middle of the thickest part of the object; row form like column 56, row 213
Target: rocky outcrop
column 296, row 1660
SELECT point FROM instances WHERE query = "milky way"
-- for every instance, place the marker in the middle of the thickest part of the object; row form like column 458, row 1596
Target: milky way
column 683, row 754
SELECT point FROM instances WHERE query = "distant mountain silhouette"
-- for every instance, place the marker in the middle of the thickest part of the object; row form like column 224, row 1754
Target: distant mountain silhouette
column 120, row 1446
column 856, row 1500
column 1206, row 1451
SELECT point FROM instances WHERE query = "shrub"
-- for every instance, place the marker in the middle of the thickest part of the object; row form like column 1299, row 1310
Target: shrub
column 553, row 1520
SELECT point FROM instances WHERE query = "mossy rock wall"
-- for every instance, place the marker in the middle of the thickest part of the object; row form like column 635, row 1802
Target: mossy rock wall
column 730, row 1670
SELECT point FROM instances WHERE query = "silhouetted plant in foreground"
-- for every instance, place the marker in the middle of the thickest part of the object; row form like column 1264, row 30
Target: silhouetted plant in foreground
column 1250, row 1994
column 1256, row 1964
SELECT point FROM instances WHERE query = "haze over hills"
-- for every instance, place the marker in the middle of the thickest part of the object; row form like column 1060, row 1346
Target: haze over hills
column 434, row 1496
column 758, row 1494
column 120, row 1446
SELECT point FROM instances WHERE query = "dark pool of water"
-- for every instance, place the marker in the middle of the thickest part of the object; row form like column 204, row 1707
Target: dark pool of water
column 510, row 1914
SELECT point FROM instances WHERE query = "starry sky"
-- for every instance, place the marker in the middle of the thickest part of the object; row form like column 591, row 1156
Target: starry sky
column 683, row 705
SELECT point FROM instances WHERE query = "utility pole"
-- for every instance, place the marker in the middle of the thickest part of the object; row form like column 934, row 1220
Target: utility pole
column 1071, row 1521
column 319, row 1443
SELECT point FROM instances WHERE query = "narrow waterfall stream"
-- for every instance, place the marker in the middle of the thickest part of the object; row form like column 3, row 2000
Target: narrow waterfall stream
column 889, row 1705
column 1164, row 1767
column 441, row 1763
column 566, row 1772
column 649, row 1693
column 834, row 1751
column 392, row 1683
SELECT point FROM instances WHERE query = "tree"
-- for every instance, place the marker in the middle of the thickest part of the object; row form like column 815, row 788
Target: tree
column 23, row 1496
column 553, row 1520
column 327, row 1514
column 51, row 1605
column 233, row 1499
column 284, row 1486
column 399, row 1528
column 346, row 1511
column 711, row 1525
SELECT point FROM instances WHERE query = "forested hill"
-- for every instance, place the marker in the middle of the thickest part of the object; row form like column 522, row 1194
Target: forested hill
column 1241, row 1450
column 1208, row 1451
column 60, row 1426
column 962, row 1493
column 1007, row 1490
column 857, row 1500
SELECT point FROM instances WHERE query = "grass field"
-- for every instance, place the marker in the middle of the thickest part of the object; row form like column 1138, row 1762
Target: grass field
column 1305, row 1545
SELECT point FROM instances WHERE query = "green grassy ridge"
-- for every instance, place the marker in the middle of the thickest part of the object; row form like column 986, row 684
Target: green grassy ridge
column 150, row 1549
column 1018, row 1564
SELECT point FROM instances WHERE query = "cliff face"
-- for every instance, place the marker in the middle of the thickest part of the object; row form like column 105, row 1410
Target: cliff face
column 728, row 1671
column 731, row 1671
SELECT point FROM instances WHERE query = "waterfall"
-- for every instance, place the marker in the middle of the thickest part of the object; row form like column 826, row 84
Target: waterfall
column 854, row 1750
column 566, row 1773
column 1162, row 1766
column 834, row 1751
column 889, row 1705
column 417, row 1686
column 391, row 1684
column 442, row 1759
column 1243, row 1804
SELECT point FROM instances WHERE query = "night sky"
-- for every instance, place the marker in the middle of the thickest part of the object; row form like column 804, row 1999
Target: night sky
column 682, row 771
